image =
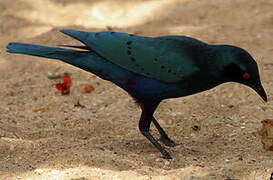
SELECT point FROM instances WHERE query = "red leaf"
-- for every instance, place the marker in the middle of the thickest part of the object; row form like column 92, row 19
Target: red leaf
column 64, row 87
column 88, row 88
column 67, row 80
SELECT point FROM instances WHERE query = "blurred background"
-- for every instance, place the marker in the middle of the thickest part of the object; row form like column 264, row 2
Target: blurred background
column 44, row 136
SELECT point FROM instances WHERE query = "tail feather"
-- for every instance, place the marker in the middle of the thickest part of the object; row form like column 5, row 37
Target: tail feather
column 79, row 35
column 81, row 59
column 86, row 60
column 77, row 47
column 41, row 51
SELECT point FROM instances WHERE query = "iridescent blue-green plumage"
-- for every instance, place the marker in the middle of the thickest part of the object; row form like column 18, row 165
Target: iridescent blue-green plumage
column 143, row 55
column 153, row 69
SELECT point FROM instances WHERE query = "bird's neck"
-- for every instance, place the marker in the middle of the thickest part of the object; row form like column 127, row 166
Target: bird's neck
column 216, row 63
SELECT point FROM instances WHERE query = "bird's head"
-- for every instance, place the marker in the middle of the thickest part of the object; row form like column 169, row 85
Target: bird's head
column 239, row 66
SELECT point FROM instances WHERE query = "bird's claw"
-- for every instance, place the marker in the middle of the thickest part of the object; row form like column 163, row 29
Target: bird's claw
column 167, row 156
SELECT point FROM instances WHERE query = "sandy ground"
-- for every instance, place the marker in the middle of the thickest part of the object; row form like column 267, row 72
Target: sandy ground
column 101, row 140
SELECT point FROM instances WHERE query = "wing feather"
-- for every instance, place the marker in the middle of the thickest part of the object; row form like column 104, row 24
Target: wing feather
column 163, row 58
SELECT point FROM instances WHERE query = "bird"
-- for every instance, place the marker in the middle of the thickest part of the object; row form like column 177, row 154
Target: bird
column 152, row 69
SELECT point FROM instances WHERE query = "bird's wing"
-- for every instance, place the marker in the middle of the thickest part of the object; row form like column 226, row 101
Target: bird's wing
column 164, row 58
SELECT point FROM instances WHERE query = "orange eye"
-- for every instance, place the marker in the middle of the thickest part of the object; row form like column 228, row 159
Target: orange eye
column 246, row 76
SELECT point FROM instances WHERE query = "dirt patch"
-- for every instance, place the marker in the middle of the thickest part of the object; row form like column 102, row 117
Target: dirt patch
column 101, row 140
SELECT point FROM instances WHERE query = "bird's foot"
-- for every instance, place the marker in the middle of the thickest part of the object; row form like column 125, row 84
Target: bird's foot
column 167, row 141
column 167, row 156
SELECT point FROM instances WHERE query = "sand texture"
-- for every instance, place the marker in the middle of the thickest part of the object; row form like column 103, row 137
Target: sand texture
column 44, row 135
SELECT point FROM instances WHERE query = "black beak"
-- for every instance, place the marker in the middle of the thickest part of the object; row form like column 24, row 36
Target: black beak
column 260, row 90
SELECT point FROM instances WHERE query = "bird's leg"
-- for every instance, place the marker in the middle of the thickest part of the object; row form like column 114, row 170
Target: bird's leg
column 144, row 127
column 164, row 138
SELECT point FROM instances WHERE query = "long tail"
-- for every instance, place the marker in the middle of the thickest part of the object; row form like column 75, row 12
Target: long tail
column 86, row 60
column 43, row 51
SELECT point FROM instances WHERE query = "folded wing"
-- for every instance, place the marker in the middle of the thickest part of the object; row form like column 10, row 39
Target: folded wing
column 163, row 58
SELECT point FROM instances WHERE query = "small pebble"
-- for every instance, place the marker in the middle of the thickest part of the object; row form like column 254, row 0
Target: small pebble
column 196, row 128
column 230, row 106
column 53, row 75
column 38, row 171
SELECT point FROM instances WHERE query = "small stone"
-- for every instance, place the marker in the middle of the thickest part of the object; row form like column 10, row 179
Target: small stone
column 196, row 128
column 167, row 163
column 51, row 75
column 38, row 171
column 230, row 106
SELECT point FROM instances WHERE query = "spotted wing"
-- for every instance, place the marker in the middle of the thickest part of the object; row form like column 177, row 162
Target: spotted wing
column 163, row 58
